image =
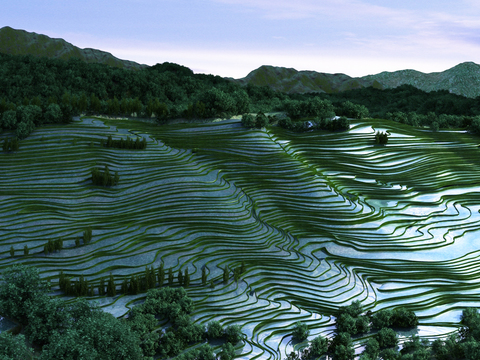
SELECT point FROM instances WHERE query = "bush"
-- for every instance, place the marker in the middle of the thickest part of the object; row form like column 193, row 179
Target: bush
column 24, row 128
column 382, row 319
column 386, row 337
column 300, row 331
column 14, row 347
column 248, row 121
column 214, row 330
column 233, row 334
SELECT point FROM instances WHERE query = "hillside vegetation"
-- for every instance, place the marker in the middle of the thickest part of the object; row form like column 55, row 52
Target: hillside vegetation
column 21, row 42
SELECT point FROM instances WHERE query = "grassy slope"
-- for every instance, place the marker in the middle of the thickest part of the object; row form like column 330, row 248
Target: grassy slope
column 320, row 219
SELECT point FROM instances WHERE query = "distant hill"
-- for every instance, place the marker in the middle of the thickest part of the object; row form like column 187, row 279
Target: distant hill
column 21, row 42
column 292, row 81
column 463, row 79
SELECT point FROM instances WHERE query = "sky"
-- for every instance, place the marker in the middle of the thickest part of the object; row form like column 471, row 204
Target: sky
column 230, row 38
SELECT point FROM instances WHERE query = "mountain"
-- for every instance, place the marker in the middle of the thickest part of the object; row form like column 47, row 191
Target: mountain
column 21, row 42
column 463, row 79
column 292, row 81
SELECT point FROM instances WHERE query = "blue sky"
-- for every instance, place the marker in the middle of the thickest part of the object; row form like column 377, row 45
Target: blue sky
column 233, row 37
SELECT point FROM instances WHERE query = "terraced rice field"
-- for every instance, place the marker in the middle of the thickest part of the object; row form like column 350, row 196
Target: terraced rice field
column 320, row 219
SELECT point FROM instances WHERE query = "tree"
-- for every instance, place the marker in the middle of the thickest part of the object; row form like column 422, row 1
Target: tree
column 101, row 287
column 87, row 235
column 214, row 330
column 12, row 251
column 117, row 178
column 180, row 277
column 248, row 120
column 318, row 347
column 111, row 288
column 261, row 120
column 186, row 278
column 342, row 347
column 21, row 287
column 53, row 114
column 25, row 250
column 228, row 352
column 225, row 274
column 233, row 334
column 300, row 331
column 143, row 325
column 170, row 277
column 14, row 347
column 46, row 316
column 9, row 120
column 386, row 337
column 161, row 275
column 204, row 275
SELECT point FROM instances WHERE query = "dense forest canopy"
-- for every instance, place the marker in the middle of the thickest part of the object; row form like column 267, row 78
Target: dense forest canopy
column 37, row 90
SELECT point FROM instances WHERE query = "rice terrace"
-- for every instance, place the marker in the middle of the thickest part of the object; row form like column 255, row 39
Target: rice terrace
column 150, row 212
column 319, row 219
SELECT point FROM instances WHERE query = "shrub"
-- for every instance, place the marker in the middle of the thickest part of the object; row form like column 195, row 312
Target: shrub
column 233, row 334
column 386, row 337
column 300, row 331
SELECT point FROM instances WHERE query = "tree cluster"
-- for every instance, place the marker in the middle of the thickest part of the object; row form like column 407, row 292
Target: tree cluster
column 53, row 246
column 104, row 178
column 381, row 138
column 125, row 144
column 10, row 145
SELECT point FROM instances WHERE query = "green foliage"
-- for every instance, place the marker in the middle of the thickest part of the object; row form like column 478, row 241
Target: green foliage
column 125, row 143
column 161, row 274
column 248, row 120
column 46, row 316
column 342, row 347
column 372, row 348
column 101, row 334
column 10, row 145
column 300, row 331
column 14, row 347
column 226, row 274
column 318, row 347
column 214, row 330
column 386, row 337
column 104, row 178
column 111, row 288
column 9, row 120
column 351, row 110
column 87, row 235
column 12, row 251
column 25, row 250
column 233, row 334
column 144, row 325
column 227, row 352
column 381, row 138
column 349, row 320
column 21, row 288
column 204, row 275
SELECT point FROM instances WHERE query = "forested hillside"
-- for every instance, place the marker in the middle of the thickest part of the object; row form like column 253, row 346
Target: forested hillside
column 38, row 90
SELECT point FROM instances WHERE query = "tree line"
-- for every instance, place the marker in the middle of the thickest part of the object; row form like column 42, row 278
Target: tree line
column 124, row 144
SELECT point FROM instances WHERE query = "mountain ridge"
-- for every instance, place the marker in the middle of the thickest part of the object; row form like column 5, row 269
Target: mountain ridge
column 22, row 42
column 462, row 79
